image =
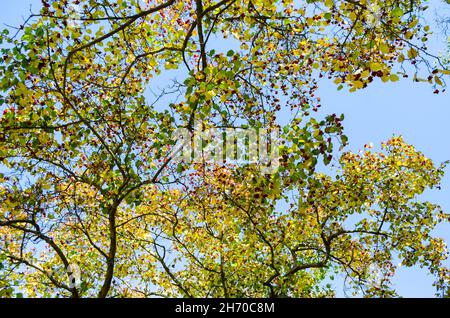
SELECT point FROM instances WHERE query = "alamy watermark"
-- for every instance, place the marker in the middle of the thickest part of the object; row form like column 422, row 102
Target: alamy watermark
column 373, row 18
column 74, row 15
column 74, row 275
column 239, row 146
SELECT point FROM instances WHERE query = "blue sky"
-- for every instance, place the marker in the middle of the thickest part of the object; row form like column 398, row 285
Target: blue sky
column 373, row 115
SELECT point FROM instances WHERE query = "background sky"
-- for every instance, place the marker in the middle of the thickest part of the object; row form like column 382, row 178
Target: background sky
column 371, row 115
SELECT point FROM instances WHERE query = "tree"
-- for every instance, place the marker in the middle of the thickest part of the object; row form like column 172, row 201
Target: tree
column 90, row 177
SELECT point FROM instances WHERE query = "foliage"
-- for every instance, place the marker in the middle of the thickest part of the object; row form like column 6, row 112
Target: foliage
column 88, row 178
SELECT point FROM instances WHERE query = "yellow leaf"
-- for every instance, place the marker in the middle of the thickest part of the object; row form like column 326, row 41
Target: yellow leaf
column 412, row 53
column 384, row 48
column 375, row 66
column 438, row 81
column 394, row 77
column 358, row 84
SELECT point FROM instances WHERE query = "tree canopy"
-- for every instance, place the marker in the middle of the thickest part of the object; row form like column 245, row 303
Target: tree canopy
column 88, row 176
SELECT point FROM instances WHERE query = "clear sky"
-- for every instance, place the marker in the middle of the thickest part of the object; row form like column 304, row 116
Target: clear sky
column 372, row 115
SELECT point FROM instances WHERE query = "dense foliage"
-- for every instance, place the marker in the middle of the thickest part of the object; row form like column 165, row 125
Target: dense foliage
column 87, row 177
